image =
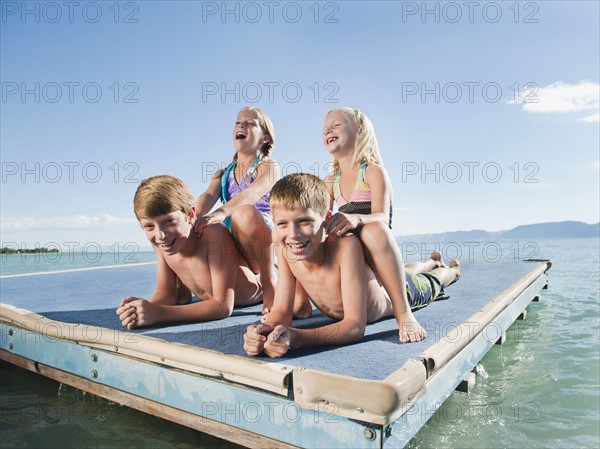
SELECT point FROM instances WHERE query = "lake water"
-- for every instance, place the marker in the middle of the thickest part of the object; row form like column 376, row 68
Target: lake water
column 541, row 389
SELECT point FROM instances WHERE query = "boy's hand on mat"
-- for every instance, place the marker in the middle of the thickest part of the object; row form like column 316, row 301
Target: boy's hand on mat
column 137, row 312
column 278, row 342
column 410, row 330
column 340, row 224
column 255, row 338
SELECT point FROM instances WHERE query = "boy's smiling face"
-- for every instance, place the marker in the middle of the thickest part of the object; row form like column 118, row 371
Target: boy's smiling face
column 168, row 232
column 300, row 231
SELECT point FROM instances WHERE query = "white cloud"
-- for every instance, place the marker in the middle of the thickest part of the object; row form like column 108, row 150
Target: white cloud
column 64, row 222
column 562, row 97
column 593, row 166
column 594, row 118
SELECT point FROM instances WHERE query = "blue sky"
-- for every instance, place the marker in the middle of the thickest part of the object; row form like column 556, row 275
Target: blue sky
column 486, row 113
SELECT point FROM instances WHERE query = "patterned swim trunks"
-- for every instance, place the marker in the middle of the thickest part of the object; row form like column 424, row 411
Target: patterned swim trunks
column 423, row 288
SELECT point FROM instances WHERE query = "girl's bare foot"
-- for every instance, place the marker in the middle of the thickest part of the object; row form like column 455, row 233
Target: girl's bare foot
column 410, row 329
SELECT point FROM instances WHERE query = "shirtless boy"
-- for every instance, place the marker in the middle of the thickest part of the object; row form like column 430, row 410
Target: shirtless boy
column 210, row 266
column 333, row 272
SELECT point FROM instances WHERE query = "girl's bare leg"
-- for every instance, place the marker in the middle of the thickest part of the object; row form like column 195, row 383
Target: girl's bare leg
column 253, row 238
column 384, row 257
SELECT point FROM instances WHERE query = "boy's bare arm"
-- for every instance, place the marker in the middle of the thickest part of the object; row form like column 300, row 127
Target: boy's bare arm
column 166, row 281
column 223, row 260
column 282, row 310
column 354, row 298
column 283, row 306
column 132, row 309
column 137, row 312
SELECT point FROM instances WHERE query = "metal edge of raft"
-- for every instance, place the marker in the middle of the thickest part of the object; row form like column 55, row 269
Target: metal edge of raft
column 340, row 411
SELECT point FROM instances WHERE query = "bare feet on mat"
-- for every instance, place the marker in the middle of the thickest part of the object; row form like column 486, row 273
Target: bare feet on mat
column 409, row 329
column 455, row 266
column 437, row 257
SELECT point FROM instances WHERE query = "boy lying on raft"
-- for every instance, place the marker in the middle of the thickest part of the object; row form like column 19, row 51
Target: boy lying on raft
column 210, row 266
column 333, row 272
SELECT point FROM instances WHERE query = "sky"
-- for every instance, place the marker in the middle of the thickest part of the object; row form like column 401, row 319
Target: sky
column 487, row 113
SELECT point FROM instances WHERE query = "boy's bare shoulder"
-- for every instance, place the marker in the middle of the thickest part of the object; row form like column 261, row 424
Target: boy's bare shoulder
column 215, row 233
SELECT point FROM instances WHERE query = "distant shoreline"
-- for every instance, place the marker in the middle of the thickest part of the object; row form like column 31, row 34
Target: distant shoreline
column 14, row 252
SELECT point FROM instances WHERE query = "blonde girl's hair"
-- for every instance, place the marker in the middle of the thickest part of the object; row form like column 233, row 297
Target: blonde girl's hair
column 160, row 195
column 366, row 150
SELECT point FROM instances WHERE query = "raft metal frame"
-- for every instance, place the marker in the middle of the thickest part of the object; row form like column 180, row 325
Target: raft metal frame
column 256, row 403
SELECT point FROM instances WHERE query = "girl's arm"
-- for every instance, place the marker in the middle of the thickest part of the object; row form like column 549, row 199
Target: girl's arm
column 328, row 180
column 208, row 199
column 268, row 175
column 377, row 179
column 381, row 201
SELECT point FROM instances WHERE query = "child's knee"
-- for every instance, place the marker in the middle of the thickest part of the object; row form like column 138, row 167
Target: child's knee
column 245, row 215
column 376, row 235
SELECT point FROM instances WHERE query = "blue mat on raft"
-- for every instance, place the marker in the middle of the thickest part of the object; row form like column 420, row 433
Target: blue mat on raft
column 91, row 297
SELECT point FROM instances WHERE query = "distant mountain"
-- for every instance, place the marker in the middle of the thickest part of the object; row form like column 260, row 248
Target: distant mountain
column 562, row 229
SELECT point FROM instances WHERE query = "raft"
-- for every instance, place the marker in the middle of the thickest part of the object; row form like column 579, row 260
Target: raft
column 376, row 393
